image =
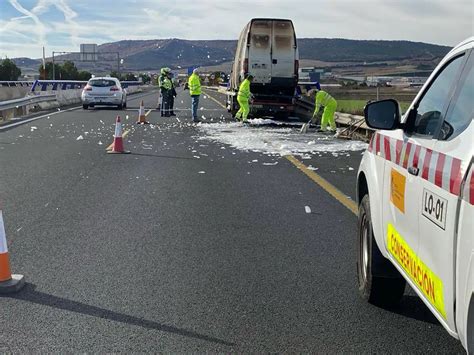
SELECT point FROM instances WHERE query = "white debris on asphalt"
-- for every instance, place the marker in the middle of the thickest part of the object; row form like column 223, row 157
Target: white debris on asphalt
column 276, row 141
column 312, row 168
column 201, row 172
column 351, row 168
column 307, row 209
column 100, row 143
column 275, row 163
column 33, row 128
column 79, row 138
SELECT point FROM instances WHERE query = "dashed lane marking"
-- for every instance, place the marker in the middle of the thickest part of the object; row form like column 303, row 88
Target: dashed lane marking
column 328, row 187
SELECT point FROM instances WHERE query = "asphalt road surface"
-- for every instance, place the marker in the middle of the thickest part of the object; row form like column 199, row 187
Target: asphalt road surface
column 188, row 244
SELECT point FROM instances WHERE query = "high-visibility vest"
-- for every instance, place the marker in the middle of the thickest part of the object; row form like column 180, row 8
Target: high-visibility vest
column 323, row 99
column 244, row 89
column 194, row 85
column 166, row 83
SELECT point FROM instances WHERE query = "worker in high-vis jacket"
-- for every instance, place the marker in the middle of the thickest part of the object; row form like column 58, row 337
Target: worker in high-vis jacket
column 194, row 86
column 243, row 98
column 323, row 99
column 166, row 87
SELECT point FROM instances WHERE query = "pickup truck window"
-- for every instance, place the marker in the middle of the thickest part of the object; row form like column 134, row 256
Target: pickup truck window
column 461, row 112
column 434, row 100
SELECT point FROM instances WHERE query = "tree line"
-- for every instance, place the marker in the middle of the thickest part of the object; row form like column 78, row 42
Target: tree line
column 8, row 70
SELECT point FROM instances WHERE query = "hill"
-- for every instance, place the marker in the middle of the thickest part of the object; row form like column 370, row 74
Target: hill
column 177, row 53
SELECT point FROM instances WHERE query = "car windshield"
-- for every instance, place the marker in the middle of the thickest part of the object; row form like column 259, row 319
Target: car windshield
column 102, row 83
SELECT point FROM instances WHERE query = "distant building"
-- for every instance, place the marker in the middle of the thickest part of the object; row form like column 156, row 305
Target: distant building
column 378, row 80
column 400, row 81
column 407, row 81
column 310, row 74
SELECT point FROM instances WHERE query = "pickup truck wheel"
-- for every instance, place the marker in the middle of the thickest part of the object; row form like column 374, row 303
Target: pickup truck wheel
column 377, row 283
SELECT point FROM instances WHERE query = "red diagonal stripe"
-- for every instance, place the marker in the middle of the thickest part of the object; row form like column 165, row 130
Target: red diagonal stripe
column 377, row 143
column 398, row 151
column 426, row 164
column 471, row 188
column 386, row 147
column 416, row 157
column 370, row 143
column 455, row 181
column 407, row 155
column 439, row 170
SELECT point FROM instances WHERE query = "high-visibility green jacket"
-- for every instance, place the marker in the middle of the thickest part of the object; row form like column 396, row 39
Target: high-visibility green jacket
column 194, row 84
column 323, row 99
column 165, row 83
column 244, row 89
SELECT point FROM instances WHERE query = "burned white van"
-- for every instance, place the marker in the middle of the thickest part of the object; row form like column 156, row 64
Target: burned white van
column 268, row 50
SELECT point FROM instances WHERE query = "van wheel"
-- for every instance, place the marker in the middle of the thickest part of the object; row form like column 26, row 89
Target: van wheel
column 85, row 107
column 120, row 107
column 379, row 281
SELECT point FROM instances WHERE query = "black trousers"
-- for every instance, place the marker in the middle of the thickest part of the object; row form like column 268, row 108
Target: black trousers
column 166, row 96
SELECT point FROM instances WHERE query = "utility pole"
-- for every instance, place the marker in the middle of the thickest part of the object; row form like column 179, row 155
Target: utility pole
column 54, row 67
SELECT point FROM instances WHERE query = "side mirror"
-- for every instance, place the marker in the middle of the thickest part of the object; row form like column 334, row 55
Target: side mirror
column 384, row 114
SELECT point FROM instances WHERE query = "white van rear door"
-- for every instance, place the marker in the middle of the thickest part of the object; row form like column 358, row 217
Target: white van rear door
column 283, row 50
column 259, row 57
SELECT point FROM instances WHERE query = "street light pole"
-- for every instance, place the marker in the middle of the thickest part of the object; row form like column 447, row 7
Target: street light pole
column 118, row 64
column 54, row 76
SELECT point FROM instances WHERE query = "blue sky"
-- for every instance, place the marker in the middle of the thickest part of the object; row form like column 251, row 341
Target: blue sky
column 62, row 25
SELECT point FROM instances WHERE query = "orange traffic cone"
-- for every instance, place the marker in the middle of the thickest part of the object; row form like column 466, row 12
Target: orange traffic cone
column 117, row 145
column 141, row 115
column 8, row 283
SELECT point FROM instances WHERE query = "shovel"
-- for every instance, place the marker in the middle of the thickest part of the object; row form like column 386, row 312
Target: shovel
column 304, row 128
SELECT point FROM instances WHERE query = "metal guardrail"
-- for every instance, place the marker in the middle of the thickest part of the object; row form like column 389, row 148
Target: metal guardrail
column 54, row 85
column 16, row 83
column 24, row 101
column 354, row 124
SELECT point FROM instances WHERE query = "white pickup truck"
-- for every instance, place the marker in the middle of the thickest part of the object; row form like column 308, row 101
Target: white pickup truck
column 415, row 192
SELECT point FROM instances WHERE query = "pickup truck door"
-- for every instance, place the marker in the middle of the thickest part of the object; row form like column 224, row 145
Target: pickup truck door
column 442, row 179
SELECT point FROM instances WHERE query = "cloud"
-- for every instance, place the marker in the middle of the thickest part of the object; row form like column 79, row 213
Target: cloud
column 40, row 27
column 99, row 21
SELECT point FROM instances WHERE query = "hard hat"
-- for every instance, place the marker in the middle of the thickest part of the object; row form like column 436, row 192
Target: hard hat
column 163, row 71
column 195, row 70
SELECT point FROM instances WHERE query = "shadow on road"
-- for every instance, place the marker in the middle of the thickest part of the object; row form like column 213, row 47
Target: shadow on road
column 161, row 156
column 414, row 308
column 30, row 294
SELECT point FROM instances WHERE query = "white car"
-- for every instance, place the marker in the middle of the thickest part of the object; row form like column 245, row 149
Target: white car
column 104, row 91
column 415, row 192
